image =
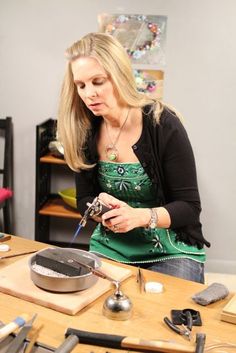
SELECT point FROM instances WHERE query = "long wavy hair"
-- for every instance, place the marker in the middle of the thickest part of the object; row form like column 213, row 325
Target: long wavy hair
column 74, row 118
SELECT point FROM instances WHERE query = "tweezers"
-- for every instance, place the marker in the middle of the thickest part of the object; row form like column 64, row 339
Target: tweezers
column 95, row 271
column 140, row 279
column 19, row 254
column 32, row 341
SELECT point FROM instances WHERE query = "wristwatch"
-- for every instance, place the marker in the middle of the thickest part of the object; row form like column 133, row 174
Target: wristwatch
column 153, row 220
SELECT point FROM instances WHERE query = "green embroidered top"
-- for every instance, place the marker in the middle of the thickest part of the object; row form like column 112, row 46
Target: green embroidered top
column 130, row 183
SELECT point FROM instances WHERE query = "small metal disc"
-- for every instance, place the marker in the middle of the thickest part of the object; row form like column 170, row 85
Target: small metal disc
column 4, row 247
column 153, row 287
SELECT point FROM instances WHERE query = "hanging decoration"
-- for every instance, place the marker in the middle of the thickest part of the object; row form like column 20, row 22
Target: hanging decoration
column 148, row 44
column 150, row 81
column 143, row 36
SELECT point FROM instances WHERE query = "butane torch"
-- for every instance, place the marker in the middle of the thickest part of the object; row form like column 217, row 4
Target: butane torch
column 96, row 208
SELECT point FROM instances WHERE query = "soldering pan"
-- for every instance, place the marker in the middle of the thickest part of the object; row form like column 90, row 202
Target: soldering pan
column 65, row 284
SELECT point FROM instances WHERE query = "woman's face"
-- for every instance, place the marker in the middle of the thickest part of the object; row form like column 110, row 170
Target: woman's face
column 94, row 86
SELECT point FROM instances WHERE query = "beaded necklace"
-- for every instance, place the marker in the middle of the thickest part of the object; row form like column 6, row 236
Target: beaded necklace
column 149, row 44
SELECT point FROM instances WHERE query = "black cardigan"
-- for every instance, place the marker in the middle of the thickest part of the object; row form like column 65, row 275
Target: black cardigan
column 166, row 155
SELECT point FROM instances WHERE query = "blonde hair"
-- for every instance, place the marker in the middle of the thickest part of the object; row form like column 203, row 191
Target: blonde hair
column 74, row 119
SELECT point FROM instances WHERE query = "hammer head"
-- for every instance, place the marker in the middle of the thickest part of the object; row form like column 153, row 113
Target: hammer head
column 200, row 342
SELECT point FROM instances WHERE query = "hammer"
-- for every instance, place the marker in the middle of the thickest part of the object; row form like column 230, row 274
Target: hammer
column 115, row 341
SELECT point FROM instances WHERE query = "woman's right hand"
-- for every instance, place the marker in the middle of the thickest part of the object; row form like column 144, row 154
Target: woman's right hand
column 121, row 217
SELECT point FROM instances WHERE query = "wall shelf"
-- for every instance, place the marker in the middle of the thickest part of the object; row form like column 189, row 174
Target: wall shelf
column 57, row 207
column 49, row 158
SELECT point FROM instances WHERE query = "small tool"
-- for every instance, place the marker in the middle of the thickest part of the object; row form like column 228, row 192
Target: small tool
column 33, row 340
column 19, row 339
column 19, row 254
column 184, row 331
column 12, row 326
column 95, row 271
column 140, row 280
column 4, row 237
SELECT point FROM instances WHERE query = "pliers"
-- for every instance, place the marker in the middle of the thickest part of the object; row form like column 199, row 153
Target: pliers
column 184, row 331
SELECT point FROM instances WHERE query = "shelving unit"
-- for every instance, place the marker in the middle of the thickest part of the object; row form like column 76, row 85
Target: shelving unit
column 48, row 204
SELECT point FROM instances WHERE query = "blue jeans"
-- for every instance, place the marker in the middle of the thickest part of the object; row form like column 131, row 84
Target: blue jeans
column 182, row 268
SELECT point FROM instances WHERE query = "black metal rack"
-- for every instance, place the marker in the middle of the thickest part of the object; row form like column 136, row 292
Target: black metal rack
column 48, row 204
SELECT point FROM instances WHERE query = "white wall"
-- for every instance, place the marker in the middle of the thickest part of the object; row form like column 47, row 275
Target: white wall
column 200, row 81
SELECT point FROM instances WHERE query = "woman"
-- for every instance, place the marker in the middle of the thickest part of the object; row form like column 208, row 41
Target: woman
column 133, row 152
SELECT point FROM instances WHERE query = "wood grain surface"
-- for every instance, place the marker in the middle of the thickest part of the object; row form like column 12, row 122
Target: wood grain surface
column 146, row 322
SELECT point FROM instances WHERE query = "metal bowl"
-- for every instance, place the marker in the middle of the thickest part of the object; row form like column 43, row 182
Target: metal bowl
column 65, row 284
column 56, row 148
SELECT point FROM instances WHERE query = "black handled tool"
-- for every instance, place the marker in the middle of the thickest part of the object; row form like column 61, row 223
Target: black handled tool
column 115, row 341
column 184, row 331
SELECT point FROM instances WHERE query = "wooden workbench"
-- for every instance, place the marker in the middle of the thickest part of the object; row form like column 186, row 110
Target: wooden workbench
column 146, row 321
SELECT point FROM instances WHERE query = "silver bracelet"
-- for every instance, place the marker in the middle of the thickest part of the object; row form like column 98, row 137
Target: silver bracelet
column 153, row 220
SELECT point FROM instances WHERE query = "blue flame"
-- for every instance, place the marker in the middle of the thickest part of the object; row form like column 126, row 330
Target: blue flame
column 76, row 234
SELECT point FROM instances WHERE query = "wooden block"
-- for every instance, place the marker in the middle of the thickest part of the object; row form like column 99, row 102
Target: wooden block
column 13, row 275
column 59, row 260
column 229, row 311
